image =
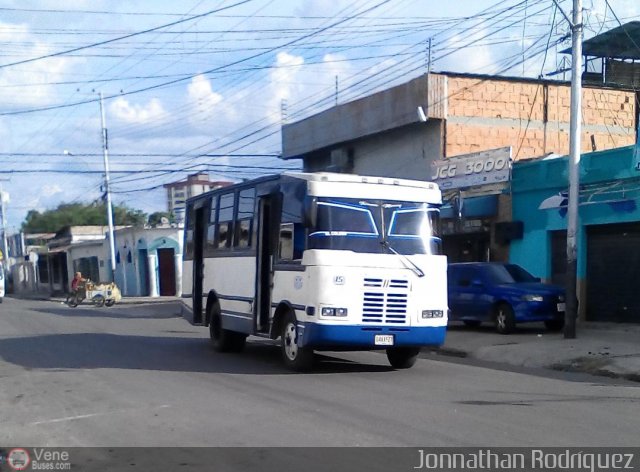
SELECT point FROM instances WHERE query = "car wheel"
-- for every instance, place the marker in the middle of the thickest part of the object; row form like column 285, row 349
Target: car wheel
column 402, row 357
column 554, row 325
column 224, row 340
column 472, row 323
column 295, row 357
column 505, row 319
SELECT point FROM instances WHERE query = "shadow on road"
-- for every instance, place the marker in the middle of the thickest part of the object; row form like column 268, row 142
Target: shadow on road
column 133, row 311
column 176, row 354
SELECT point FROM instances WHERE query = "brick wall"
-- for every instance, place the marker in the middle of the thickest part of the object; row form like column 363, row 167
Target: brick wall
column 532, row 117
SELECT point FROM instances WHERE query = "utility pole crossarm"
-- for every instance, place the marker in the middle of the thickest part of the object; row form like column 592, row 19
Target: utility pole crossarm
column 566, row 17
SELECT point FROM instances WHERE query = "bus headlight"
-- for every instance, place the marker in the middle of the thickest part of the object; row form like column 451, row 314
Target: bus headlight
column 330, row 311
column 432, row 314
column 533, row 298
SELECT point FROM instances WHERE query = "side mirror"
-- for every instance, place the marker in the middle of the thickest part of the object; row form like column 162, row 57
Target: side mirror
column 310, row 211
column 538, row 279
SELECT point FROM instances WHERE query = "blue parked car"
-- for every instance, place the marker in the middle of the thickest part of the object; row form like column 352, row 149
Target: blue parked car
column 504, row 294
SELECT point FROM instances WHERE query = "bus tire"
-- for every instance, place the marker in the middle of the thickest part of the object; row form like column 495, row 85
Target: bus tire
column 297, row 358
column 224, row 340
column 402, row 357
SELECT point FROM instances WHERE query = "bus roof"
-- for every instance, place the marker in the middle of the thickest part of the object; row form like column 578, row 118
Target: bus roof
column 331, row 179
column 355, row 178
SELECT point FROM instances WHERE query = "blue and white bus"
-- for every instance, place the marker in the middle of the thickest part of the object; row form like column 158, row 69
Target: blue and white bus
column 321, row 261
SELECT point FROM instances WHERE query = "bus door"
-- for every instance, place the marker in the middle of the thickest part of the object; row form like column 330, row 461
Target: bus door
column 201, row 219
column 268, row 223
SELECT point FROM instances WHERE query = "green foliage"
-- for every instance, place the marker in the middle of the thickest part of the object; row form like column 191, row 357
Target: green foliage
column 156, row 218
column 79, row 214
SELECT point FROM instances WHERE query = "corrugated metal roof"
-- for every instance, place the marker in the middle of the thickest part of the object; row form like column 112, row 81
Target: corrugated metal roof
column 622, row 42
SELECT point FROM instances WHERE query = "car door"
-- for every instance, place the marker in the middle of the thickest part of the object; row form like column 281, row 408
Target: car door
column 480, row 299
column 459, row 291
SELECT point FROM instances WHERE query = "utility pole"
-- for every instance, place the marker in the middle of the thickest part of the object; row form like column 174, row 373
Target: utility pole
column 105, row 150
column 5, row 252
column 575, row 132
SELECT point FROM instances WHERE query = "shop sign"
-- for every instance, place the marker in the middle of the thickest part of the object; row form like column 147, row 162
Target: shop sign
column 482, row 168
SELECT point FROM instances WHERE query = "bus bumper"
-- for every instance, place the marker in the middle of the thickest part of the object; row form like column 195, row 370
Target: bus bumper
column 322, row 336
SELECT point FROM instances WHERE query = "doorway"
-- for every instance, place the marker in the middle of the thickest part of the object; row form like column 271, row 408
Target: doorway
column 198, row 262
column 267, row 227
column 167, row 272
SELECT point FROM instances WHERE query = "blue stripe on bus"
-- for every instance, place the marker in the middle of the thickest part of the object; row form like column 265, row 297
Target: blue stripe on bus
column 317, row 335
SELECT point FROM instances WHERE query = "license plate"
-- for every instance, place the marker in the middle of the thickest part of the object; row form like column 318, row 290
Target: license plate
column 561, row 307
column 383, row 340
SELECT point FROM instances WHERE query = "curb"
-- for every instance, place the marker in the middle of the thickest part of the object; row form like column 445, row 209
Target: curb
column 448, row 351
column 577, row 365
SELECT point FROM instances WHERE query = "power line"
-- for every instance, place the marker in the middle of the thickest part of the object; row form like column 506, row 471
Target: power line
column 137, row 33
column 179, row 80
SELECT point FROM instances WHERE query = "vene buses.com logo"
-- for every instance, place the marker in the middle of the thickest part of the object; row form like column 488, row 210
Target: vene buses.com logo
column 18, row 459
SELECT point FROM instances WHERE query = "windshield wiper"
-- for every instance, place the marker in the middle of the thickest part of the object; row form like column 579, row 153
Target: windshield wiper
column 418, row 271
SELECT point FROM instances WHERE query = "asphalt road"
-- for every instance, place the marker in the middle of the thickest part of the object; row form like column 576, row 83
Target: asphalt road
column 139, row 376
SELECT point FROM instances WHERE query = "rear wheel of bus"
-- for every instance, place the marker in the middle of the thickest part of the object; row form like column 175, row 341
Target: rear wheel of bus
column 295, row 357
column 224, row 340
column 402, row 357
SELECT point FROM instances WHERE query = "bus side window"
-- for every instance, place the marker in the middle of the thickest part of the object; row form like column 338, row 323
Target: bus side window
column 244, row 219
column 211, row 228
column 291, row 242
column 225, row 219
column 188, row 233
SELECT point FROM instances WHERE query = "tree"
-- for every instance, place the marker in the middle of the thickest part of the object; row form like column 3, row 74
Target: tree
column 156, row 218
column 79, row 214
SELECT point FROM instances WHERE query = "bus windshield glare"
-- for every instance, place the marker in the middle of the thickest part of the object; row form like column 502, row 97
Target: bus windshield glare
column 371, row 226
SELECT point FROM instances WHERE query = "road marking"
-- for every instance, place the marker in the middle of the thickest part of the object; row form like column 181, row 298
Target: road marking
column 90, row 415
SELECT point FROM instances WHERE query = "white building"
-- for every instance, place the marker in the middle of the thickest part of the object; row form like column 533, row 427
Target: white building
column 148, row 261
column 179, row 192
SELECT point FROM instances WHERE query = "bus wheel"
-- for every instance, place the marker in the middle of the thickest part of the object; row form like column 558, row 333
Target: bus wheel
column 295, row 357
column 224, row 340
column 402, row 357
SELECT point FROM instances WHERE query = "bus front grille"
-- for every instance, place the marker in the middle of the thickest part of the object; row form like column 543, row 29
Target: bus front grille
column 386, row 305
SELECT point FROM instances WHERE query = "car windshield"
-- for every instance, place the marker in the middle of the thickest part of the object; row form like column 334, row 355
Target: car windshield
column 508, row 274
column 373, row 226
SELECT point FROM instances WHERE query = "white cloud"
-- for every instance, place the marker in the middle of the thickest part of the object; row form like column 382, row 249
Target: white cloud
column 50, row 190
column 201, row 93
column 41, row 73
column 130, row 113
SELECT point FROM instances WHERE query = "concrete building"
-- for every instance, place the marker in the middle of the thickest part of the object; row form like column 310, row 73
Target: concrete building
column 26, row 262
column 608, row 234
column 179, row 192
column 149, row 261
column 413, row 129
column 56, row 269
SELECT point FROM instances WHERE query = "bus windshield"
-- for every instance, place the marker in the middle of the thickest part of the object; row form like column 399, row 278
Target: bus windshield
column 374, row 226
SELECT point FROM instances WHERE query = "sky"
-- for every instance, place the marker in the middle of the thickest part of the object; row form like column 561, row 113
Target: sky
column 206, row 84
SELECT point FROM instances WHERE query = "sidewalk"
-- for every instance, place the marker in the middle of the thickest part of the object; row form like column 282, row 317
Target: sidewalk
column 608, row 349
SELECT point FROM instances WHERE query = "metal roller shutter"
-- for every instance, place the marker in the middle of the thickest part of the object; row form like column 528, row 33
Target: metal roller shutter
column 613, row 273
